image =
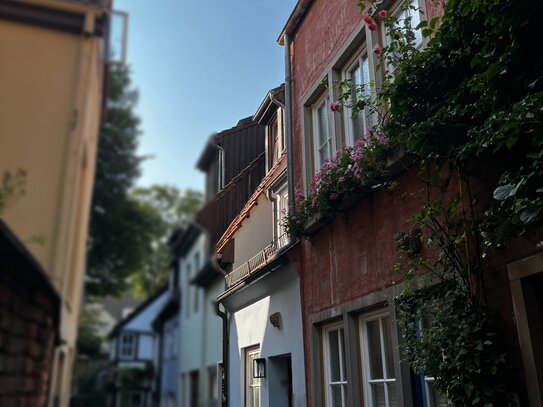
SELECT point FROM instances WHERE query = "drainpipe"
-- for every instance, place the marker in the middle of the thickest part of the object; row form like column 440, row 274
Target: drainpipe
column 222, row 167
column 288, row 130
column 225, row 338
column 225, row 344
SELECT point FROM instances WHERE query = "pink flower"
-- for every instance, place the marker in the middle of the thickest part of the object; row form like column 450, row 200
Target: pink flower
column 377, row 50
column 367, row 18
column 382, row 14
column 372, row 26
column 341, row 179
column 367, row 137
column 298, row 222
column 335, row 105
column 333, row 196
column 382, row 139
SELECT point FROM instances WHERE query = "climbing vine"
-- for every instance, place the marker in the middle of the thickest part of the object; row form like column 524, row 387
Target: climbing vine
column 468, row 106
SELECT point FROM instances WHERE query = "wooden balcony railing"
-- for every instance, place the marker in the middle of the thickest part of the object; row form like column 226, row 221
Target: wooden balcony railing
column 255, row 263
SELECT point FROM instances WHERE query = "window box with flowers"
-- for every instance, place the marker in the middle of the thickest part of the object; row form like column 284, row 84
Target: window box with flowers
column 340, row 183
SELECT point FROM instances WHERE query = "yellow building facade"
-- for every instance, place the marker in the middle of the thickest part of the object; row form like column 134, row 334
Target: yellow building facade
column 51, row 98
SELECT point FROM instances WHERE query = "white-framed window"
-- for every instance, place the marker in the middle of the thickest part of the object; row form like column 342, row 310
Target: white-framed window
column 334, row 366
column 378, row 372
column 252, row 384
column 195, row 287
column 127, row 346
column 280, row 212
column 275, row 138
column 401, row 12
column 323, row 136
column 361, row 77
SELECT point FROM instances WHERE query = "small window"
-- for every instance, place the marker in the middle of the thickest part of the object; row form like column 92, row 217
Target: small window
column 334, row 366
column 252, row 384
column 128, row 345
column 323, row 140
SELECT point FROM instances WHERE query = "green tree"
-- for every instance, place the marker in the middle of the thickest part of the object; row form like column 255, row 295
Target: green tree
column 170, row 208
column 120, row 232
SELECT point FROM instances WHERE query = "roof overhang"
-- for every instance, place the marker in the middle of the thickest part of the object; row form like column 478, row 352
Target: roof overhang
column 295, row 17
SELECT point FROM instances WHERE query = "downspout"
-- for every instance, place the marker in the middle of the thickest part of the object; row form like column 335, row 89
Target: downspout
column 225, row 344
column 222, row 167
column 288, row 131
column 225, row 339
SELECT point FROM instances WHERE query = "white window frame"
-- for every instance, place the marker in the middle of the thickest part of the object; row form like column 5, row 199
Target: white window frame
column 395, row 10
column 132, row 346
column 365, row 359
column 250, row 382
column 343, row 382
column 280, row 202
column 322, row 102
column 348, row 113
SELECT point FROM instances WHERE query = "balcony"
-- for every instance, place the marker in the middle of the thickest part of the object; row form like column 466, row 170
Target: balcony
column 256, row 263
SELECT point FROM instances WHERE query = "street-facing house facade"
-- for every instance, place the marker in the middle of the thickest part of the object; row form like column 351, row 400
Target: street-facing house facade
column 134, row 356
column 261, row 296
column 346, row 262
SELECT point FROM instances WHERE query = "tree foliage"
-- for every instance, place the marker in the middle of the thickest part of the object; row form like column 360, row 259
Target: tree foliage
column 119, row 232
column 129, row 225
column 171, row 209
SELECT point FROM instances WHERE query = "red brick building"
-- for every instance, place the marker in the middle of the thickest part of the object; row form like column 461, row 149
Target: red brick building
column 346, row 264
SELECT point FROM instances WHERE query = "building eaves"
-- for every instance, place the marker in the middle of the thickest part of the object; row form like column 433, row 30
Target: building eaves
column 295, row 17
column 274, row 172
column 185, row 240
column 275, row 97
column 117, row 328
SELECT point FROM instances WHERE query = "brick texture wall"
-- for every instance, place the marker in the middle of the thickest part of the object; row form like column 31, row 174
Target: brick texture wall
column 355, row 253
column 28, row 326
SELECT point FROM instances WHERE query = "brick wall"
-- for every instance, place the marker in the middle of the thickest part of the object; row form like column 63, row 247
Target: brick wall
column 355, row 253
column 28, row 328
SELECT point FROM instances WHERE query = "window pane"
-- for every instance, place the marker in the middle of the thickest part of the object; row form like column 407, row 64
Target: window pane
column 337, row 397
column 334, row 356
column 415, row 19
column 323, row 124
column 342, row 343
column 388, row 348
column 374, row 348
column 392, row 396
column 378, row 395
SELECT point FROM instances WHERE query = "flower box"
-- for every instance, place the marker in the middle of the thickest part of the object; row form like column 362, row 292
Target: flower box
column 315, row 223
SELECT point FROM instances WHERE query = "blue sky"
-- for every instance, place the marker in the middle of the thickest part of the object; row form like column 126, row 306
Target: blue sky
column 199, row 66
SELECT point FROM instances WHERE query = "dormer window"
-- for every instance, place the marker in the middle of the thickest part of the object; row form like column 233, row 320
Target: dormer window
column 276, row 138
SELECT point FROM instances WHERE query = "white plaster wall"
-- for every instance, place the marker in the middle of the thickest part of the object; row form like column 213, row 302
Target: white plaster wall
column 191, row 323
column 146, row 347
column 142, row 322
column 250, row 326
column 255, row 232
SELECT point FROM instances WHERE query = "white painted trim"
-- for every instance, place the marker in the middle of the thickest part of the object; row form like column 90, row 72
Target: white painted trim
column 517, row 271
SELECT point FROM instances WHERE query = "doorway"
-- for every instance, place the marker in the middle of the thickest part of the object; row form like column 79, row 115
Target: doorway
column 280, row 381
